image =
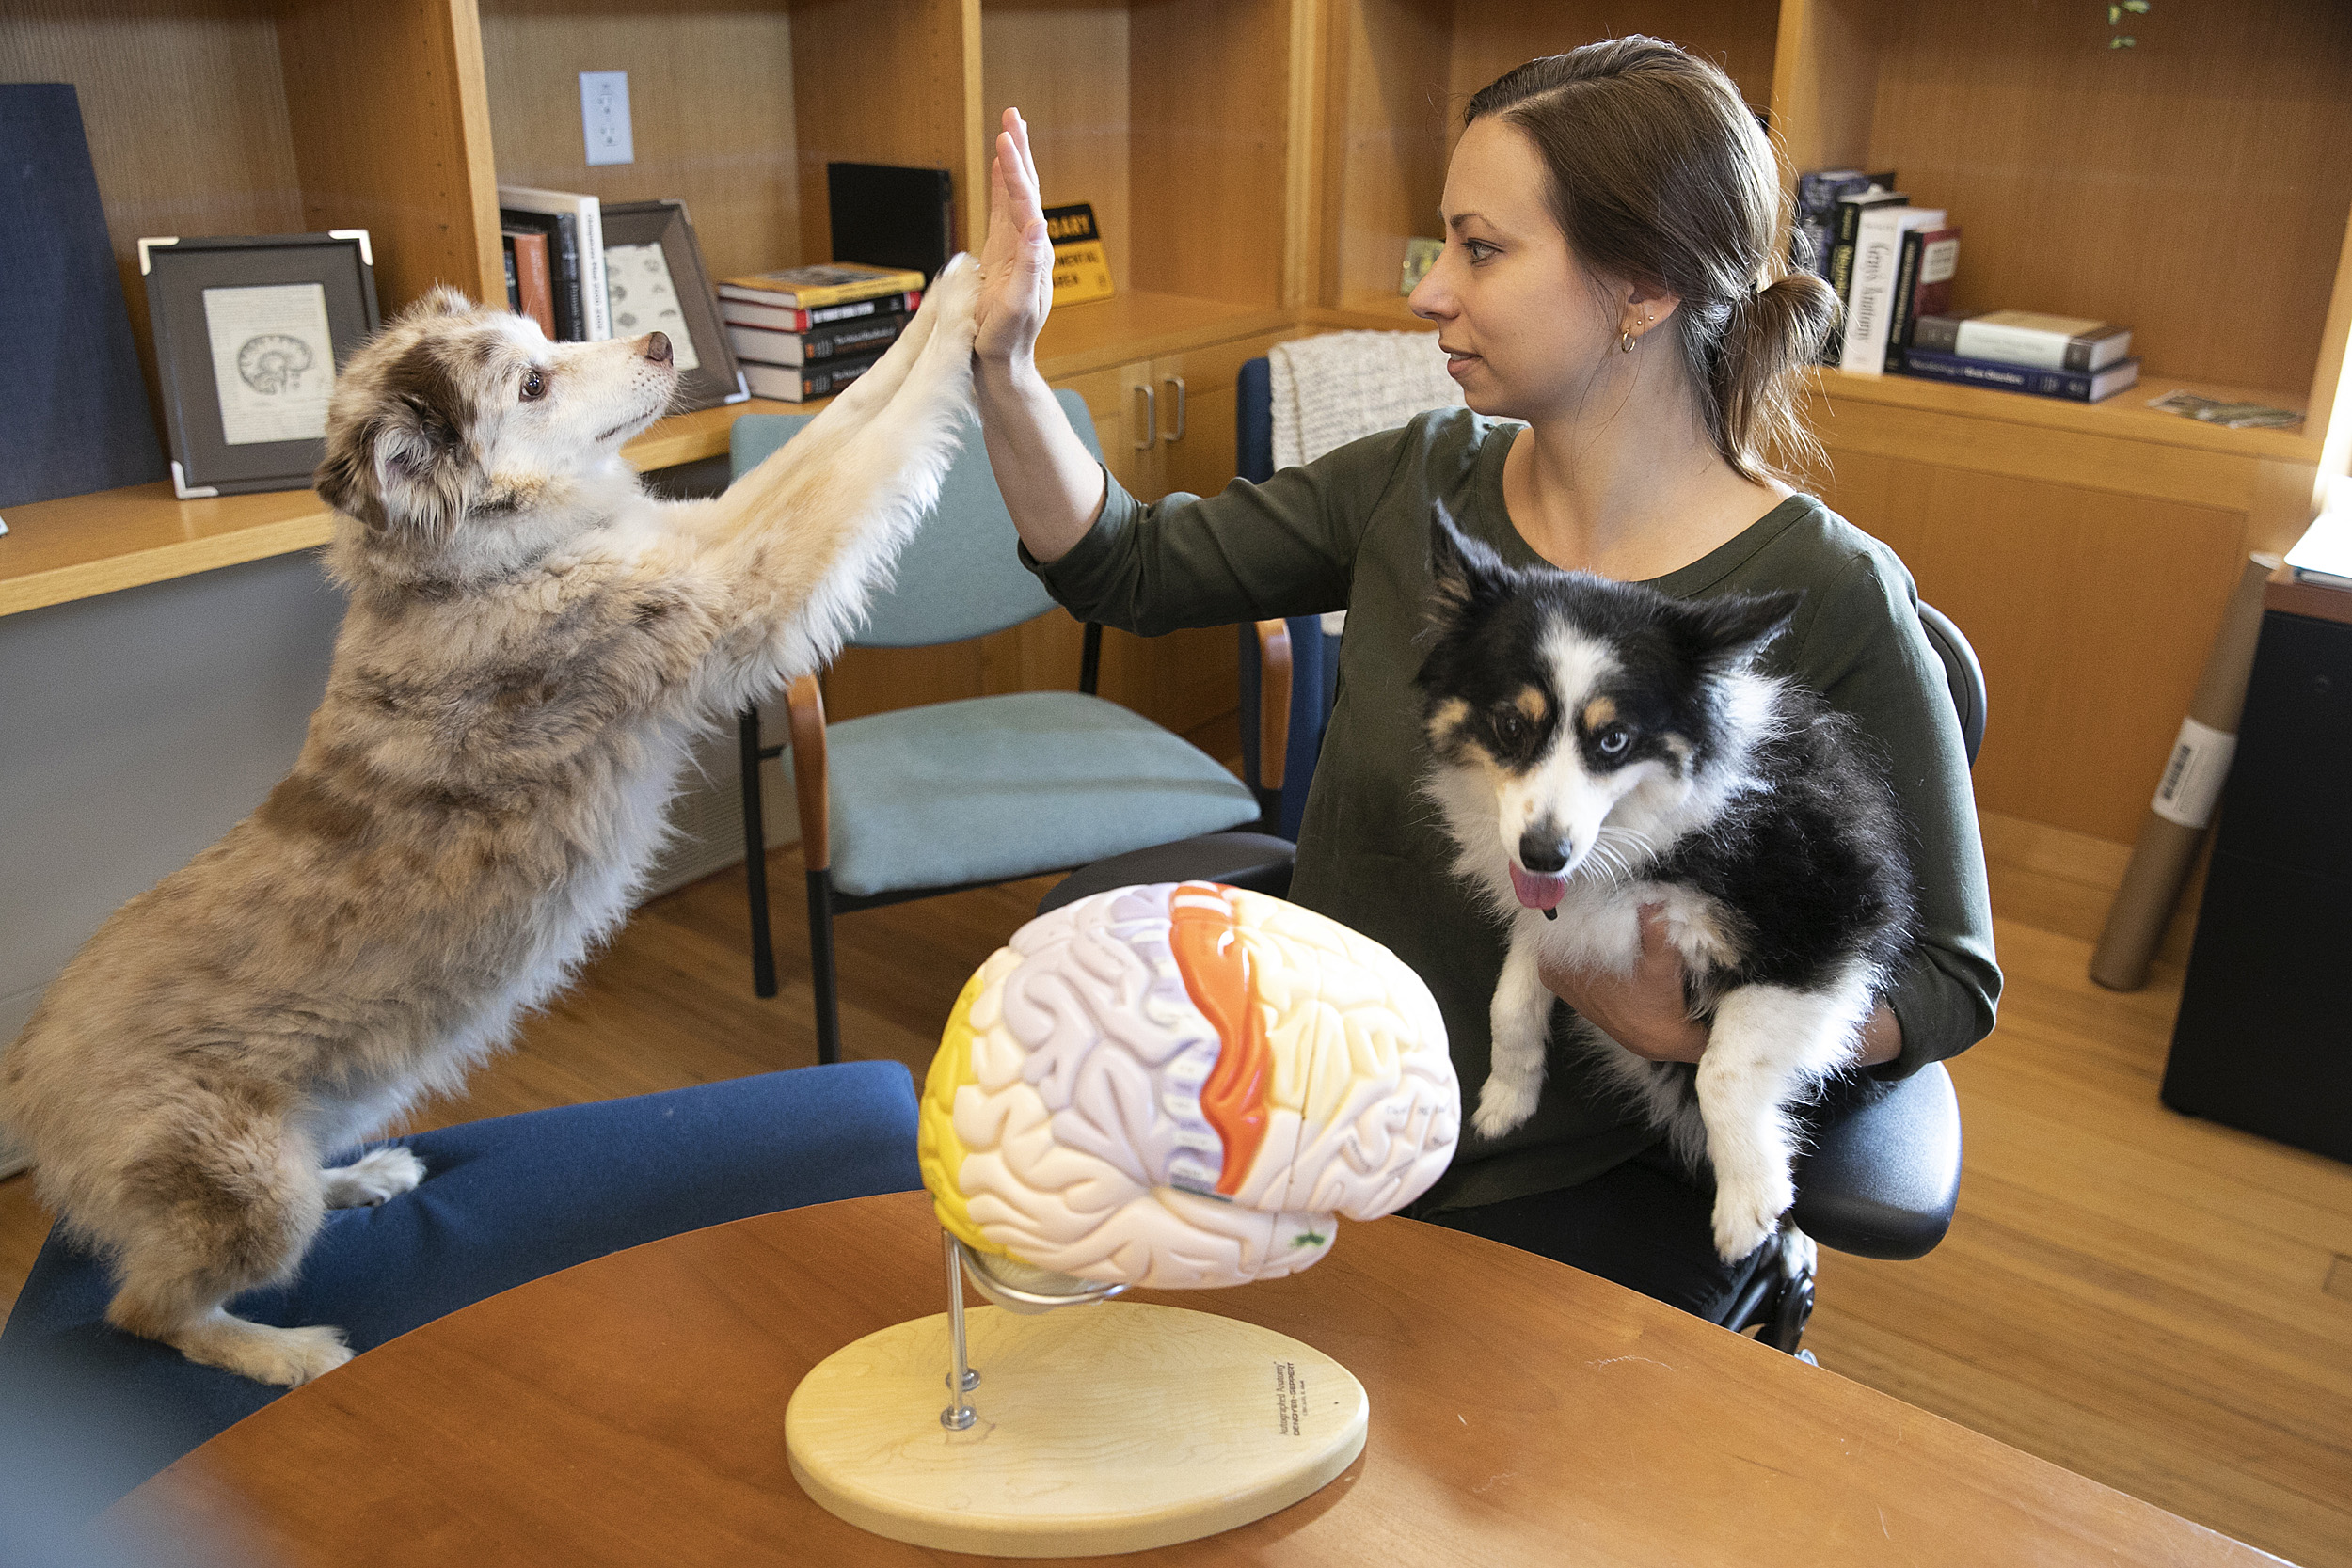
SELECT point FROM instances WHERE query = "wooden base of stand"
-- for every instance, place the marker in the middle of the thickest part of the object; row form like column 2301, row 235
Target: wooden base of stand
column 1108, row 1428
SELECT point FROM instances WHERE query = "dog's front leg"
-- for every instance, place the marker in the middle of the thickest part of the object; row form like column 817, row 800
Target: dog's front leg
column 798, row 544
column 1768, row 1047
column 1520, row 1020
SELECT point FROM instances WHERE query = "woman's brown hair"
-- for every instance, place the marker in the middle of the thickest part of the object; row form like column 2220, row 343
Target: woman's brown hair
column 1660, row 174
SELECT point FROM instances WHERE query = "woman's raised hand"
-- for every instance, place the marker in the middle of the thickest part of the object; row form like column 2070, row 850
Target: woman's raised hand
column 1017, row 261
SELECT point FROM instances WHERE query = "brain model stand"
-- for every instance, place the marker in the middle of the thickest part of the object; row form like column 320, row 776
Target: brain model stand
column 1178, row 1086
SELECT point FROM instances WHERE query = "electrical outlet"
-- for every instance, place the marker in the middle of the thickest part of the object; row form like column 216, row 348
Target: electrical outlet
column 604, row 116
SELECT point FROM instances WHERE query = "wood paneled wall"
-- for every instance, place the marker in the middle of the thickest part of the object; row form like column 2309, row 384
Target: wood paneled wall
column 2193, row 188
column 1064, row 64
column 711, row 110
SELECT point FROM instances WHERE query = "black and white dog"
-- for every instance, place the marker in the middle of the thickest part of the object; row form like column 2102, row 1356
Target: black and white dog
column 1598, row 747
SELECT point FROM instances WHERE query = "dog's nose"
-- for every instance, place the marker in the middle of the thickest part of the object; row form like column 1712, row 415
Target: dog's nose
column 1542, row 853
column 658, row 347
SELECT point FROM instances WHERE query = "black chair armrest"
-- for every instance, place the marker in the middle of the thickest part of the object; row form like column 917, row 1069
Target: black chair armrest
column 1258, row 861
column 1883, row 1177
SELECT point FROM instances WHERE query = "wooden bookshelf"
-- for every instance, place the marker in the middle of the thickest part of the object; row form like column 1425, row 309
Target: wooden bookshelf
column 1257, row 165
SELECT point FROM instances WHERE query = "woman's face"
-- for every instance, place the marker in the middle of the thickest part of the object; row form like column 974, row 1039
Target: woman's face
column 1522, row 325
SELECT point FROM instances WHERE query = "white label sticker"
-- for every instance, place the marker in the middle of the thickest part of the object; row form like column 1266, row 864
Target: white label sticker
column 2193, row 778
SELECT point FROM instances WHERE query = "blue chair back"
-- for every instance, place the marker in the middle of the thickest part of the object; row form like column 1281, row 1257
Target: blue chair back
column 960, row 576
column 1315, row 656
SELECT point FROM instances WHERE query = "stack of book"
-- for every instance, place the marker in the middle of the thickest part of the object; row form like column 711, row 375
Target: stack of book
column 1887, row 259
column 808, row 332
column 1892, row 265
column 2019, row 351
column 555, row 241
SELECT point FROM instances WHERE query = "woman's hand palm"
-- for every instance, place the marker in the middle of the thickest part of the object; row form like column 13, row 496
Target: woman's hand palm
column 1017, row 261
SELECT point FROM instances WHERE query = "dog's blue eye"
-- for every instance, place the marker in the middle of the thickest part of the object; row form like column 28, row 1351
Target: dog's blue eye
column 1615, row 739
column 534, row 386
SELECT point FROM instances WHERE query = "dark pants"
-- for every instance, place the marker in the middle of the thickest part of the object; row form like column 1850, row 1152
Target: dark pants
column 1645, row 1225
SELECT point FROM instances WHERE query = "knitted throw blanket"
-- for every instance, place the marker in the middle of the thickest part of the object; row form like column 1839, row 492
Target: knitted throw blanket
column 1330, row 389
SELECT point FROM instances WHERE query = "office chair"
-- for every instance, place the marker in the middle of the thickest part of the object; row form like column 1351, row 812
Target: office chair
column 1881, row 1179
column 503, row 1201
column 937, row 798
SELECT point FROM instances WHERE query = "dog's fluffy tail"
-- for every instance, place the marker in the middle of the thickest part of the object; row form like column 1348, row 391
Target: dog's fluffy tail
column 811, row 533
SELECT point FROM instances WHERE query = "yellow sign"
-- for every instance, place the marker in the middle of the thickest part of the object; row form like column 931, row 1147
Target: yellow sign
column 1082, row 269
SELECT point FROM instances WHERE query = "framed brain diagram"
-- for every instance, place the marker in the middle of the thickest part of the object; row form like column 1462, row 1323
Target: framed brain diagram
column 656, row 280
column 249, row 331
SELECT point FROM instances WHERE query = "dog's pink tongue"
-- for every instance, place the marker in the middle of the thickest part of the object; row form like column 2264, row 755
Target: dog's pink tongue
column 1537, row 892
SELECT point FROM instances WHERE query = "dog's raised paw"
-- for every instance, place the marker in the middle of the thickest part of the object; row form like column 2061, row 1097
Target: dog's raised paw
column 1746, row 1212
column 381, row 1174
column 1503, row 1104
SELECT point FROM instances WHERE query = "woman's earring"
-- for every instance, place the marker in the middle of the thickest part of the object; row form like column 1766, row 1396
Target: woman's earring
column 1624, row 341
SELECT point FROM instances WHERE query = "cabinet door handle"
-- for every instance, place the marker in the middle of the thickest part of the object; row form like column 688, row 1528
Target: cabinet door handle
column 1150, row 417
column 1177, row 382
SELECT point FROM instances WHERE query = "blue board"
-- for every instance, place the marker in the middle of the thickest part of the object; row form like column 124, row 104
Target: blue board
column 75, row 417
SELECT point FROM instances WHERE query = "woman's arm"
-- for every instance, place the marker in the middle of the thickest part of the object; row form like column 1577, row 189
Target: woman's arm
column 1052, row 485
column 1645, row 1011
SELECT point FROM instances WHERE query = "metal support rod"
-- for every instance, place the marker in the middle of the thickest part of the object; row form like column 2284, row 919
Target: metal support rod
column 755, row 857
column 962, row 1379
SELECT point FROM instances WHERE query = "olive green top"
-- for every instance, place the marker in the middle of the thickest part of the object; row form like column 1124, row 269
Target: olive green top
column 1351, row 532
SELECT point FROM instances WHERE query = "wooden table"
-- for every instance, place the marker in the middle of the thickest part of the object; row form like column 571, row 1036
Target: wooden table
column 631, row 1411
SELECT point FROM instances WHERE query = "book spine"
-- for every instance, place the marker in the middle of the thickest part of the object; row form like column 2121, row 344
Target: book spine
column 1849, row 218
column 2049, row 350
column 817, row 298
column 1906, row 283
column 595, row 287
column 571, row 320
column 842, row 338
column 2072, row 386
column 1878, row 248
column 1939, row 261
column 790, row 385
column 1933, row 333
column 781, row 318
column 514, row 275
column 897, row 304
column 768, row 346
column 537, row 299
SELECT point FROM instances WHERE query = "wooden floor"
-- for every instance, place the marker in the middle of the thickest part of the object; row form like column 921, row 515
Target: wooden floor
column 2157, row 1302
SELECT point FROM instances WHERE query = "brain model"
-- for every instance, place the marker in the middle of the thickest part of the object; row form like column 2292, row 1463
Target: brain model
column 1184, row 1085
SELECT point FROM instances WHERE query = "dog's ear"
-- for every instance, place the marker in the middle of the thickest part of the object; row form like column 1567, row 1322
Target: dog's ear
column 397, row 455
column 1730, row 631
column 421, row 467
column 1467, row 578
column 439, row 300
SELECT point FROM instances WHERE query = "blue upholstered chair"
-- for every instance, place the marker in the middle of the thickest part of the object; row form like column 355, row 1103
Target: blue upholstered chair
column 933, row 800
column 1881, row 1178
column 503, row 1201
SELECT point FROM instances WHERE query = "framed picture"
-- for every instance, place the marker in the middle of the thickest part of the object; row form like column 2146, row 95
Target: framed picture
column 250, row 332
column 655, row 280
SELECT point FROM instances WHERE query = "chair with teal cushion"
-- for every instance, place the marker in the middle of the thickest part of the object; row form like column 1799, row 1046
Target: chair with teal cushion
column 957, row 795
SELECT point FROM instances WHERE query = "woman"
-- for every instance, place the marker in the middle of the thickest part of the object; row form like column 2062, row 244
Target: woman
column 1608, row 281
